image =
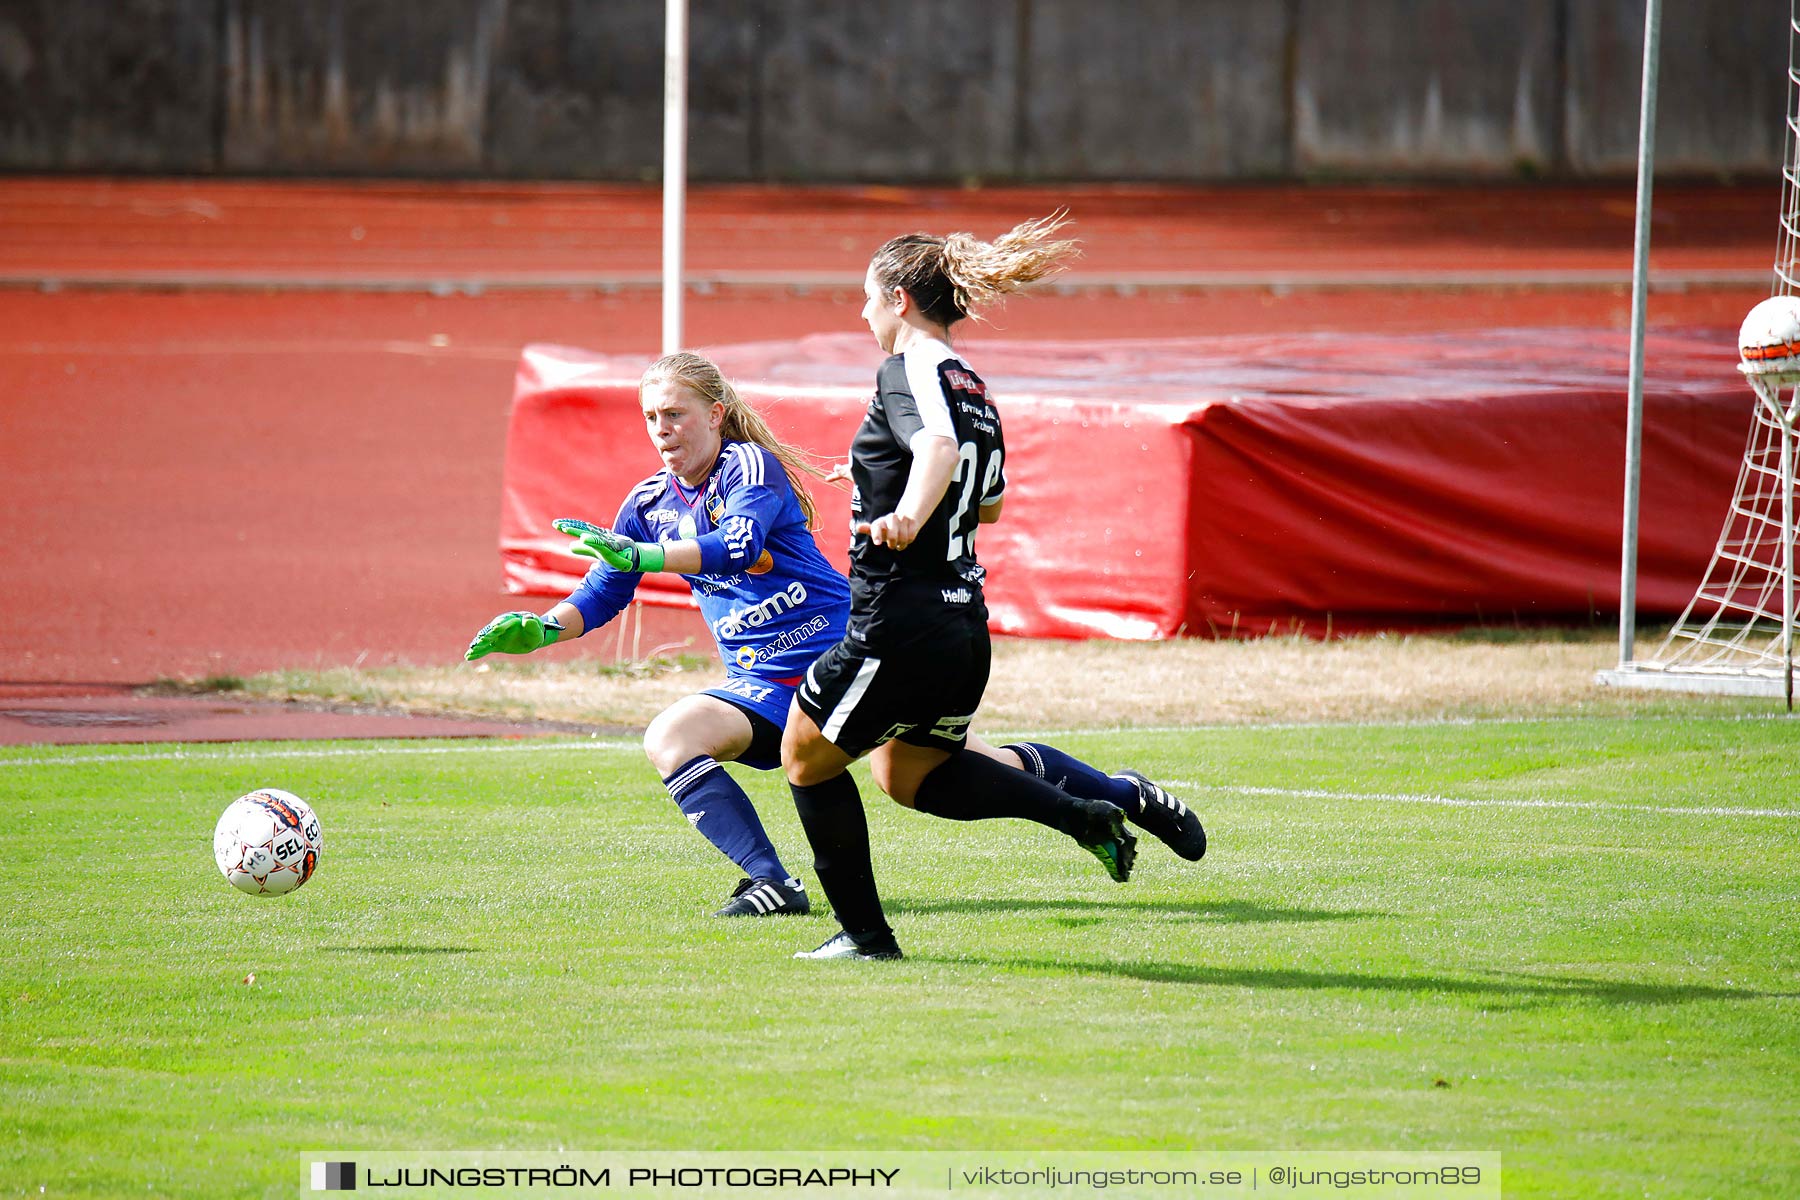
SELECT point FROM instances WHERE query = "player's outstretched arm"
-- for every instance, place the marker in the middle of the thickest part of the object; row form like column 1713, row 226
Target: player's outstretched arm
column 515, row 633
column 619, row 553
column 623, row 554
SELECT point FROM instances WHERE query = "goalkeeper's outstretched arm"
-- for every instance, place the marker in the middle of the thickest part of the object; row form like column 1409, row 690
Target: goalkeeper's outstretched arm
column 522, row 632
column 571, row 620
column 623, row 554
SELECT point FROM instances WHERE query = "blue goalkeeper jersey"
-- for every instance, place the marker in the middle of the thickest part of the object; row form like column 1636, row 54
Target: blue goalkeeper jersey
column 771, row 599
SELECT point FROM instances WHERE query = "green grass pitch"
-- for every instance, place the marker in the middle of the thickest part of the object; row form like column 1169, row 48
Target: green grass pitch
column 1571, row 941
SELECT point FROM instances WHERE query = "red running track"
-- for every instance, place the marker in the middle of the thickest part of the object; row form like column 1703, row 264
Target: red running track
column 242, row 230
column 237, row 479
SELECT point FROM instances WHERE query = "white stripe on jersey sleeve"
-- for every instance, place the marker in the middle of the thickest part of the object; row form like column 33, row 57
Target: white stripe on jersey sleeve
column 750, row 464
column 922, row 359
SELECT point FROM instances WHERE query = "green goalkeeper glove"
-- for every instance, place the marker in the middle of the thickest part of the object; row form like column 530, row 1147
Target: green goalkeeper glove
column 619, row 553
column 514, row 633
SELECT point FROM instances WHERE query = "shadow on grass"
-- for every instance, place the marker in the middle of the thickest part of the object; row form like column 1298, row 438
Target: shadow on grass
column 1504, row 989
column 1222, row 912
column 398, row 948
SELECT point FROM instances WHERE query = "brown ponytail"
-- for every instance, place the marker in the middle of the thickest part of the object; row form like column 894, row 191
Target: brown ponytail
column 953, row 277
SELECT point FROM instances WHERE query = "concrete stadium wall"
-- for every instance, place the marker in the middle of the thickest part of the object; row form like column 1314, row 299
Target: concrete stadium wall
column 933, row 90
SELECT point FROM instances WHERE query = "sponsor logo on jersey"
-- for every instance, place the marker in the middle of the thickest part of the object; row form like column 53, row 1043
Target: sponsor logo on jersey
column 962, row 381
column 738, row 620
column 981, row 416
column 715, row 583
column 686, row 529
column 749, row 656
column 957, row 595
column 662, row 516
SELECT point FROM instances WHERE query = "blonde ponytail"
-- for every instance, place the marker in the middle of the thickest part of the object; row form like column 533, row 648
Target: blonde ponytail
column 742, row 423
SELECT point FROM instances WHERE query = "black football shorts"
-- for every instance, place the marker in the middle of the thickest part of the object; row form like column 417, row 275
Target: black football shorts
column 922, row 690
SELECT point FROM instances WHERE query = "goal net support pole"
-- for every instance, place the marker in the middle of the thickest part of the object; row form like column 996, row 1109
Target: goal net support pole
column 1640, row 274
column 674, row 213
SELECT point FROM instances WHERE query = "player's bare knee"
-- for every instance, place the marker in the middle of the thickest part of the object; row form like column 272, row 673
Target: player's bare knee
column 897, row 784
column 664, row 746
column 802, row 773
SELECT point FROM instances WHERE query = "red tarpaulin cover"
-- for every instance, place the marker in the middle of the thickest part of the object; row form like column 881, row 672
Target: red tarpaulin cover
column 1232, row 485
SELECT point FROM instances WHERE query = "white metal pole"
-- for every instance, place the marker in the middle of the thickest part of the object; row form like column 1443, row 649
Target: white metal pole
column 674, row 216
column 1640, row 275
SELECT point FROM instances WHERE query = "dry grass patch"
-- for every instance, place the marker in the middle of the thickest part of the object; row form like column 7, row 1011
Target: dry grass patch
column 1096, row 684
column 1385, row 678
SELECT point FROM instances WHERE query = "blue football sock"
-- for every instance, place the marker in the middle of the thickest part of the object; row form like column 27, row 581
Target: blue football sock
column 718, row 808
column 1076, row 777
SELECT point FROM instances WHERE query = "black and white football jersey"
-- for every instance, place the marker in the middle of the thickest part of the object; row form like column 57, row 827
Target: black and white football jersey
column 926, row 390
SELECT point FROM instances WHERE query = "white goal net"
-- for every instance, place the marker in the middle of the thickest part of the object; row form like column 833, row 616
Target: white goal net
column 1737, row 634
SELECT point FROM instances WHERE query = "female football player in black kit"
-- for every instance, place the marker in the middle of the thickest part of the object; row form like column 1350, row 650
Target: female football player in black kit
column 904, row 683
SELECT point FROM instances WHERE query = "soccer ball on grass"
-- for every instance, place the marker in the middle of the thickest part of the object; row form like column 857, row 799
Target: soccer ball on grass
column 268, row 842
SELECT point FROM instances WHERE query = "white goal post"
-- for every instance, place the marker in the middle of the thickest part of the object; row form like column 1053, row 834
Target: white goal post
column 674, row 212
column 1737, row 634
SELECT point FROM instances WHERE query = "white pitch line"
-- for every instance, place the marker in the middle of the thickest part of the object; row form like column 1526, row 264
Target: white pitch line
column 1525, row 802
column 76, row 760
column 1672, row 810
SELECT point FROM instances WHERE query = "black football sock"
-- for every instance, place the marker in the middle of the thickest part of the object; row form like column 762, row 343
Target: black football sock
column 832, row 815
column 972, row 787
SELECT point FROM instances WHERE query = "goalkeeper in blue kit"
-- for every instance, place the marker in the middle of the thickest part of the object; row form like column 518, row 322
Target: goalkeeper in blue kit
column 729, row 513
column 725, row 513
